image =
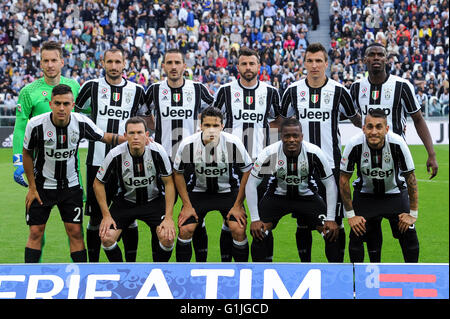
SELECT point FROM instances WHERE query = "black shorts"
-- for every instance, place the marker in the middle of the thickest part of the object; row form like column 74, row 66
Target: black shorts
column 68, row 201
column 388, row 206
column 205, row 202
column 125, row 213
column 321, row 190
column 92, row 208
column 309, row 210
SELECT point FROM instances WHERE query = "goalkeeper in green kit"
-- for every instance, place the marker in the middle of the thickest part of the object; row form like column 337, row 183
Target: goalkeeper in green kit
column 34, row 99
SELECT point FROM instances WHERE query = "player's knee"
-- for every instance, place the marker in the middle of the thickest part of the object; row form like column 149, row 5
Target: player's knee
column 110, row 238
column 36, row 232
column 237, row 231
column 187, row 231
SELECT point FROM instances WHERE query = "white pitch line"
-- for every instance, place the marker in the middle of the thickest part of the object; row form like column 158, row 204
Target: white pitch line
column 431, row 181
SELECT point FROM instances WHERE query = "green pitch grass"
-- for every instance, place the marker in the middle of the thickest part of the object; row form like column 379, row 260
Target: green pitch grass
column 432, row 224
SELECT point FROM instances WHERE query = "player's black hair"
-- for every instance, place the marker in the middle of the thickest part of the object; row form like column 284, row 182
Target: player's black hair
column 374, row 44
column 291, row 121
column 173, row 51
column 61, row 89
column 246, row 51
column 317, row 47
column 211, row 111
column 379, row 113
column 135, row 120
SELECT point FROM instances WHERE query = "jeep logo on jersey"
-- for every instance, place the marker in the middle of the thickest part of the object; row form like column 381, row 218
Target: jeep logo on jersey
column 139, row 181
column 60, row 154
column 365, row 110
column 377, row 173
column 249, row 116
column 211, row 171
column 115, row 113
column 177, row 113
column 294, row 180
column 314, row 115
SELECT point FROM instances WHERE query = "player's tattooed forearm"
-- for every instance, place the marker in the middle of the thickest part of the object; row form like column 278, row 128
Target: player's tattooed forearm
column 413, row 191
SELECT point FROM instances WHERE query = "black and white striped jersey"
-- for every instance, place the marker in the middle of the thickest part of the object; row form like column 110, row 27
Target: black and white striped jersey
column 318, row 111
column 176, row 111
column 395, row 97
column 111, row 106
column 56, row 148
column 291, row 176
column 213, row 165
column 379, row 171
column 138, row 177
column 247, row 112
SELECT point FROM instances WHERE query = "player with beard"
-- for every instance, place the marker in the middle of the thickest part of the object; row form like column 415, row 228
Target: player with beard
column 251, row 108
column 396, row 97
column 111, row 101
column 176, row 104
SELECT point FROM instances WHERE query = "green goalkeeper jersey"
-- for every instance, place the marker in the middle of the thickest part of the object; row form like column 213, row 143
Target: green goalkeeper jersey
column 34, row 100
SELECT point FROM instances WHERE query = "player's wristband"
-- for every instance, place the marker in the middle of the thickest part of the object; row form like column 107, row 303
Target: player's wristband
column 350, row 213
column 414, row 213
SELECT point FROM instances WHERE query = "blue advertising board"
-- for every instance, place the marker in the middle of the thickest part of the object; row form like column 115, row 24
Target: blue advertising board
column 176, row 281
column 401, row 281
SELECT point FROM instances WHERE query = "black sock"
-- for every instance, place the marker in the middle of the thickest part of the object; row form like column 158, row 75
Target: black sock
column 130, row 237
column 32, row 255
column 79, row 256
column 303, row 238
column 342, row 241
column 410, row 246
column 154, row 242
column 113, row 253
column 183, row 250
column 226, row 244
column 260, row 249
column 200, row 243
column 240, row 251
column 162, row 254
column 356, row 248
column 93, row 243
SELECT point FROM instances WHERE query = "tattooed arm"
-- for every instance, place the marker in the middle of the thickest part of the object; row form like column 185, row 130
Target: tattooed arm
column 406, row 220
column 357, row 223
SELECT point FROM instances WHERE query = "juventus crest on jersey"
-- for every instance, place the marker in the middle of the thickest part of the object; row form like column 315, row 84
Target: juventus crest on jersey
column 395, row 97
column 111, row 106
column 176, row 111
column 138, row 176
column 318, row 111
column 291, row 176
column 379, row 171
column 55, row 148
column 213, row 165
column 247, row 112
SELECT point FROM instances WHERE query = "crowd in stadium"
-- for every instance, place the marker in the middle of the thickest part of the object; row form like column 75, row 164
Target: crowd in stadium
column 210, row 33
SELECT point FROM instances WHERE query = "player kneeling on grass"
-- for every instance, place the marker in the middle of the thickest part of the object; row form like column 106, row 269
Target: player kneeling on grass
column 384, row 164
column 214, row 155
column 291, row 163
column 50, row 163
column 139, row 167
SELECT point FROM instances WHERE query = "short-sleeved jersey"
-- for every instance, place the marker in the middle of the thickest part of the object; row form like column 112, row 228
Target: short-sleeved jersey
column 111, row 106
column 138, row 177
column 318, row 111
column 55, row 148
column 379, row 171
column 213, row 165
column 176, row 111
column 291, row 176
column 33, row 100
column 247, row 112
column 395, row 97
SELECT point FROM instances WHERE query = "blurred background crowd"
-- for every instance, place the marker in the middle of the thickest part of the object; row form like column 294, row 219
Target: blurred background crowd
column 210, row 33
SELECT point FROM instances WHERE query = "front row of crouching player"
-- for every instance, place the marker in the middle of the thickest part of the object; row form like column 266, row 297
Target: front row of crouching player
column 148, row 184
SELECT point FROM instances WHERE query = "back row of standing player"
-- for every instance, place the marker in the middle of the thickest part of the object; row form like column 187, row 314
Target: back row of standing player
column 248, row 106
